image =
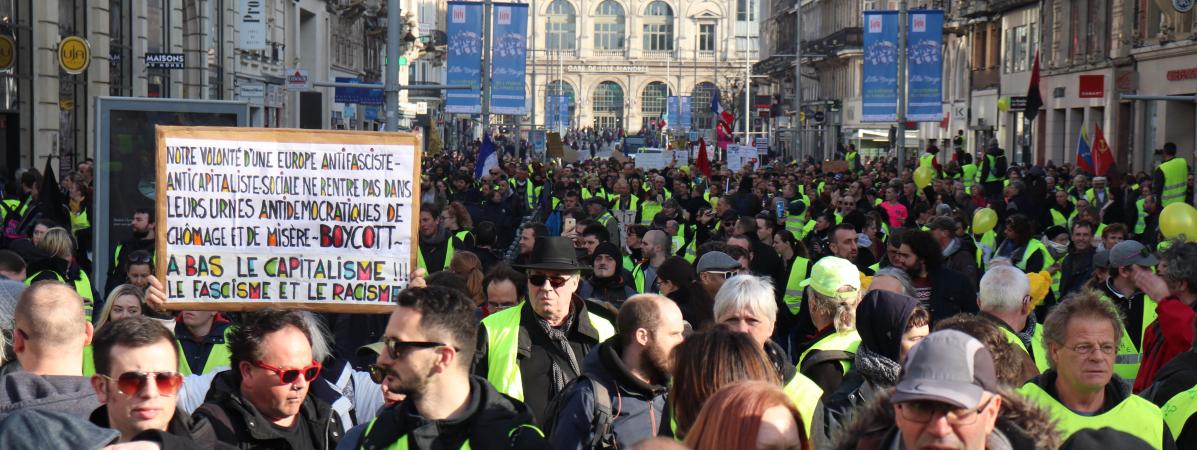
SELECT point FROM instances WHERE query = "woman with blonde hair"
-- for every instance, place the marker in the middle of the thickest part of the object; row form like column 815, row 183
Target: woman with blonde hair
column 61, row 266
column 748, row 415
column 125, row 301
column 468, row 266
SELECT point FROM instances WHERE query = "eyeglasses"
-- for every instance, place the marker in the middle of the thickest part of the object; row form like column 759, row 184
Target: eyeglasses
column 377, row 373
column 925, row 411
column 554, row 281
column 394, row 345
column 1085, row 349
column 130, row 383
column 288, row 376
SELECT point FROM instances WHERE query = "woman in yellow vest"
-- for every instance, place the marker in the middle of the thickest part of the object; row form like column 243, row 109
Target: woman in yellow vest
column 62, row 266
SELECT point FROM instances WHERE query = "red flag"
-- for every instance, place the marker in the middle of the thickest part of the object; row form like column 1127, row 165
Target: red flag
column 1034, row 98
column 1103, row 158
column 703, row 163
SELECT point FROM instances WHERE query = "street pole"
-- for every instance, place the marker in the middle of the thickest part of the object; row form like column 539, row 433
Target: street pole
column 532, row 51
column 900, row 136
column 486, row 38
column 747, row 87
column 392, row 85
column 796, row 125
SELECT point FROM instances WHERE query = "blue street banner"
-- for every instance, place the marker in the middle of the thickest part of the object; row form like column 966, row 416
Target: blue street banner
column 552, row 112
column 879, row 83
column 510, row 54
column 924, row 57
column 361, row 96
column 671, row 112
column 684, row 113
column 563, row 114
column 464, row 62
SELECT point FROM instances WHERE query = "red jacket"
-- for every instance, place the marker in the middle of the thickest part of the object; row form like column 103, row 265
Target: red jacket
column 1171, row 334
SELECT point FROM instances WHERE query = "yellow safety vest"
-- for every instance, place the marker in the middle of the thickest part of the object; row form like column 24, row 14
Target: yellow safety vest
column 1178, row 410
column 805, row 394
column 448, row 256
column 993, row 175
column 1058, row 218
column 218, row 357
column 79, row 221
column 793, row 293
column 851, row 157
column 82, row 287
column 587, row 193
column 970, row 174
column 1134, row 416
column 1141, row 224
column 638, row 277
column 649, row 210
column 502, row 336
column 848, row 341
column 927, row 160
column 1126, row 363
column 1033, row 246
column 1176, row 180
column 1042, row 362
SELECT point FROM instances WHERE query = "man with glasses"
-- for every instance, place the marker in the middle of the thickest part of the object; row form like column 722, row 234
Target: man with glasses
column 428, row 349
column 1080, row 391
column 714, row 268
column 531, row 351
column 948, row 397
column 49, row 334
column 263, row 401
column 137, row 382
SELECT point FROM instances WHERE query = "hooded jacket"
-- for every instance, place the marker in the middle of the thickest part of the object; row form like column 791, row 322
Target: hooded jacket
column 491, row 420
column 640, row 411
column 181, row 433
column 1020, row 426
column 961, row 256
column 434, row 249
column 238, row 423
column 65, row 394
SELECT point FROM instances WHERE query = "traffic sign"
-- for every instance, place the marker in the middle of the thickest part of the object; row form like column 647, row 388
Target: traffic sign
column 74, row 54
column 819, row 116
column 298, row 80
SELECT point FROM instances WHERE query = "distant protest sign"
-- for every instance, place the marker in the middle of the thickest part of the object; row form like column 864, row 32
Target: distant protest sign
column 835, row 166
column 254, row 218
column 652, row 158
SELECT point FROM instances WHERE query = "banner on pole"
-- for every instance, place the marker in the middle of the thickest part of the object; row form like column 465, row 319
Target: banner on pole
column 924, row 57
column 510, row 55
column 464, row 61
column 879, row 83
column 671, row 112
column 685, row 115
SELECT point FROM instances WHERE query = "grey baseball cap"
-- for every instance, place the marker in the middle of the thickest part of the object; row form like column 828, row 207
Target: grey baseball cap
column 947, row 366
column 1101, row 258
column 1131, row 252
column 715, row 261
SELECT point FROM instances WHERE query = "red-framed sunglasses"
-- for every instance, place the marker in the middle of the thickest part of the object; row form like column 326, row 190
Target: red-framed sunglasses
column 288, row 376
column 130, row 383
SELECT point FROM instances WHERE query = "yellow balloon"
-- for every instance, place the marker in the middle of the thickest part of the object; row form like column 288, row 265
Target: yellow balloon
column 1003, row 104
column 922, row 177
column 984, row 219
column 1179, row 219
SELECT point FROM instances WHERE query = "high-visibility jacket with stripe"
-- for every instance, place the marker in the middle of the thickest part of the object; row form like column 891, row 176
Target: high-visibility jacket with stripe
column 1176, row 181
column 847, row 341
column 970, row 175
column 1126, row 363
column 218, row 357
column 1179, row 409
column 448, row 256
column 1141, row 223
column 1134, row 416
column 502, row 336
column 794, row 286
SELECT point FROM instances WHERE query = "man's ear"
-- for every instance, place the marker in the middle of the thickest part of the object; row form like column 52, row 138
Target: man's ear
column 97, row 383
column 89, row 332
column 642, row 336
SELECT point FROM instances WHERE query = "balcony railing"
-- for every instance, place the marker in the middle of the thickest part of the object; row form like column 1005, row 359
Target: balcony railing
column 598, row 53
column 658, row 54
column 706, row 55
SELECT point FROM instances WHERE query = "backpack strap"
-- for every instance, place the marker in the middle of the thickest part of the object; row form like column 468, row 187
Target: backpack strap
column 601, row 435
column 823, row 356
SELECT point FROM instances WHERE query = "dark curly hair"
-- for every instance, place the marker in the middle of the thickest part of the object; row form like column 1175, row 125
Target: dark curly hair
column 245, row 340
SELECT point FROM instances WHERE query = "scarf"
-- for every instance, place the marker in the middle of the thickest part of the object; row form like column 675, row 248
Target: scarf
column 877, row 369
column 559, row 338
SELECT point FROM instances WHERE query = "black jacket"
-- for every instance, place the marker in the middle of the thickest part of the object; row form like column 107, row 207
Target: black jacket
column 491, row 421
column 1075, row 271
column 181, row 433
column 1178, row 375
column 238, row 423
column 951, row 294
column 638, row 407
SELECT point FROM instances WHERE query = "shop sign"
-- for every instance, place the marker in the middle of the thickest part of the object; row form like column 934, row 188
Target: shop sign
column 74, row 54
column 298, row 80
column 1182, row 6
column 169, row 61
column 1182, row 74
column 1092, row 86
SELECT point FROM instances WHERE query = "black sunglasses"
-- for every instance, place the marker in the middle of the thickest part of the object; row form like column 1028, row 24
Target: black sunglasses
column 394, row 345
column 377, row 373
column 554, row 281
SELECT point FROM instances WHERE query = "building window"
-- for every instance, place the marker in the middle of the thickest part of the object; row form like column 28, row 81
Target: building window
column 658, row 27
column 652, row 102
column 120, row 49
column 609, row 26
column 700, row 105
column 561, row 26
column 706, row 37
column 215, row 49
column 157, row 41
column 745, row 10
column 608, row 105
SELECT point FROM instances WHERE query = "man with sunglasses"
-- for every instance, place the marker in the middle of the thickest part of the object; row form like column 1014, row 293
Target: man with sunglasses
column 714, row 268
column 948, row 398
column 137, row 381
column 531, row 351
column 426, row 356
column 1081, row 390
column 263, row 401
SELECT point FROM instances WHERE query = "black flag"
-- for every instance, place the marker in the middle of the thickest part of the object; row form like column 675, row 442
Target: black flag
column 1034, row 100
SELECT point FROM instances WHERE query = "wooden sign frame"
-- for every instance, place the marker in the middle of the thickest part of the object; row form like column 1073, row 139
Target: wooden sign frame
column 278, row 135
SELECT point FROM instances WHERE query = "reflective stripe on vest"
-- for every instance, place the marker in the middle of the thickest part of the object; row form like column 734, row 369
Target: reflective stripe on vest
column 848, row 341
column 970, row 174
column 218, row 357
column 502, row 336
column 82, row 287
column 1176, row 179
column 793, row 293
column 1178, row 410
column 1126, row 363
column 1134, row 416
column 805, row 394
column 448, row 257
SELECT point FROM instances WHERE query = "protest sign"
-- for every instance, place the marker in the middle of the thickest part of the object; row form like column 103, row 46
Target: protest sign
column 318, row 220
column 835, row 166
column 741, row 156
column 652, row 158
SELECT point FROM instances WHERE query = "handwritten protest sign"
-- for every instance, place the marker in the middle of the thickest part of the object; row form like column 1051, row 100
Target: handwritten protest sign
column 652, row 158
column 741, row 156
column 320, row 220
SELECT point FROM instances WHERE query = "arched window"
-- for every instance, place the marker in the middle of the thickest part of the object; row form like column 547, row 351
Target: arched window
column 608, row 105
column 700, row 105
column 555, row 112
column 561, row 26
column 609, row 26
column 652, row 102
column 658, row 27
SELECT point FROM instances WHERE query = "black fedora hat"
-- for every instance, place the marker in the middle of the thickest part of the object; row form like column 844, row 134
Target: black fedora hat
column 553, row 253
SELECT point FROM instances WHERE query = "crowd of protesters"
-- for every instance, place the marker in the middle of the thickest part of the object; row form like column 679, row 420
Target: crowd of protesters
column 596, row 305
